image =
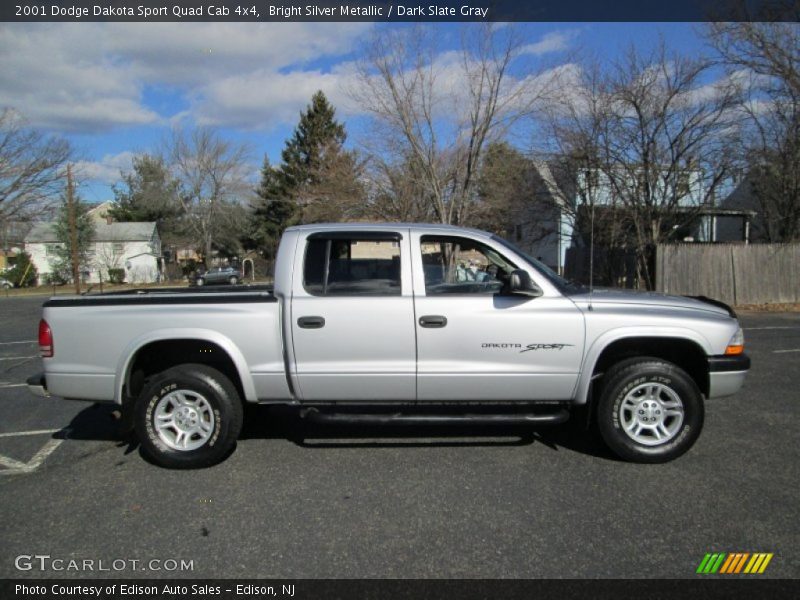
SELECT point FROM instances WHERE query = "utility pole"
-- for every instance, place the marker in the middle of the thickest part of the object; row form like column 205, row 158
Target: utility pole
column 73, row 231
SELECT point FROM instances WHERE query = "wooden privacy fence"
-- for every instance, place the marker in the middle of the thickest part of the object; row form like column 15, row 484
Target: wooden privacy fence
column 732, row 273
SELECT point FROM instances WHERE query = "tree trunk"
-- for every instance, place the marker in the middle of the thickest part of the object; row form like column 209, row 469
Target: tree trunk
column 73, row 232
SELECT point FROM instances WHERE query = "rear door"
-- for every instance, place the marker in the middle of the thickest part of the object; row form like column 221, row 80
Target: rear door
column 352, row 317
column 476, row 343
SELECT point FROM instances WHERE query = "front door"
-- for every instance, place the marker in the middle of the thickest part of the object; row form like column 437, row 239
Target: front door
column 474, row 342
column 352, row 318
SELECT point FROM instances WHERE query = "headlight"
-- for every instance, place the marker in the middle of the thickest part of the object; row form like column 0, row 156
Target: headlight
column 736, row 345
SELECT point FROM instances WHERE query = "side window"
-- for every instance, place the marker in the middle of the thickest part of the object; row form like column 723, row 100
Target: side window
column 455, row 265
column 352, row 267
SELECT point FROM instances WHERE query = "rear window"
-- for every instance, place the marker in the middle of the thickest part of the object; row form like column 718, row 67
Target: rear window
column 352, row 267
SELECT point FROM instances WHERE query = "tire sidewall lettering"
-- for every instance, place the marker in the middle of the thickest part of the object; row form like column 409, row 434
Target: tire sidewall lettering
column 217, row 428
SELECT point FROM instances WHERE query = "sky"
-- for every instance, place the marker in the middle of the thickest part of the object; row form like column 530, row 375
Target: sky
column 116, row 89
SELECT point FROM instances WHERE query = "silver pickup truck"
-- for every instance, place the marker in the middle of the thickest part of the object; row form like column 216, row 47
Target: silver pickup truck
column 395, row 323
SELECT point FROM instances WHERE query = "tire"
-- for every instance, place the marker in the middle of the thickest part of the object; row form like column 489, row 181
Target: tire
column 233, row 280
column 650, row 411
column 200, row 281
column 206, row 429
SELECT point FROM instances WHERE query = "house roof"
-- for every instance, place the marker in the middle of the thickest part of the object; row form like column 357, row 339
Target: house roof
column 549, row 181
column 103, row 232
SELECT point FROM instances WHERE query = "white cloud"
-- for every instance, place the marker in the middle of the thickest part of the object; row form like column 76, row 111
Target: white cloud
column 107, row 170
column 263, row 99
column 49, row 79
column 91, row 77
column 555, row 41
column 97, row 77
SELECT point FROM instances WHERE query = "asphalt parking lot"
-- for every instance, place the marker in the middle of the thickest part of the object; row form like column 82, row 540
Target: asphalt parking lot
column 300, row 502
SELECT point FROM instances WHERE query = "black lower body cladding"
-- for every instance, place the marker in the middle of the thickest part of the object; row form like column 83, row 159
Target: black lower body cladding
column 728, row 363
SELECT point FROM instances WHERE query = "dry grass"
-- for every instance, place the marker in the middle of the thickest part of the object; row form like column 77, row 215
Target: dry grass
column 792, row 307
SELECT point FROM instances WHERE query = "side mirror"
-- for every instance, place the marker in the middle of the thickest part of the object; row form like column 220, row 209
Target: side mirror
column 521, row 284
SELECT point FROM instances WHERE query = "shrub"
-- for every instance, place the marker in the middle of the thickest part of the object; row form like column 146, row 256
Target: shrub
column 116, row 275
column 189, row 267
column 23, row 273
column 54, row 278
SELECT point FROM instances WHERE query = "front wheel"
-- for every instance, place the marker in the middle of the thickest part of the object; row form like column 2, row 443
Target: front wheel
column 188, row 417
column 233, row 280
column 650, row 411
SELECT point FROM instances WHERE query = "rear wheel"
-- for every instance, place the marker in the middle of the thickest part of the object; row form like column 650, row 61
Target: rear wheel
column 200, row 281
column 233, row 280
column 188, row 417
column 650, row 411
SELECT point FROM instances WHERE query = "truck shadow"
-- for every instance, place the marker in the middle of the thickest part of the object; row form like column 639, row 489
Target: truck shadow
column 96, row 423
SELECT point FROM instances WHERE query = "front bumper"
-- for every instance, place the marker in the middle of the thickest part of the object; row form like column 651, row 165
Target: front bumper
column 726, row 374
column 38, row 385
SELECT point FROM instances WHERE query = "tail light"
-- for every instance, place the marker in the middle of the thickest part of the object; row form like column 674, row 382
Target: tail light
column 45, row 340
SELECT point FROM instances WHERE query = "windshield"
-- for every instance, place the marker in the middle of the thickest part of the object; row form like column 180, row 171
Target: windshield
column 563, row 285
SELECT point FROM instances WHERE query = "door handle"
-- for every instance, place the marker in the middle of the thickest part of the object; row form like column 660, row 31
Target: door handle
column 311, row 322
column 433, row 321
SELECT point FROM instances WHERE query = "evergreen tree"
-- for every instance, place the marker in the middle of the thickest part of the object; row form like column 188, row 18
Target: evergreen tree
column 148, row 193
column 287, row 192
column 62, row 263
column 318, row 131
column 275, row 211
column 24, row 272
column 504, row 187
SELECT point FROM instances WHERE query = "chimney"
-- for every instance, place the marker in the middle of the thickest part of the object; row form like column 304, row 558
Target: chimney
column 109, row 219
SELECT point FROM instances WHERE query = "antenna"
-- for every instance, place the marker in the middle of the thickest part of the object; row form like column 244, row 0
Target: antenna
column 591, row 254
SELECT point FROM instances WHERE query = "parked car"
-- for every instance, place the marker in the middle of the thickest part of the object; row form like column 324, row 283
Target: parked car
column 5, row 284
column 371, row 323
column 219, row 275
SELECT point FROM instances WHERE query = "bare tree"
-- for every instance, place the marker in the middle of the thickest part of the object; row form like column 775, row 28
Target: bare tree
column 647, row 140
column 108, row 259
column 31, row 168
column 764, row 58
column 395, row 191
column 769, row 49
column 436, row 111
column 213, row 177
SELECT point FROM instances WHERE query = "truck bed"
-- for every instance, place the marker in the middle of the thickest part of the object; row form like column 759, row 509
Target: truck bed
column 105, row 341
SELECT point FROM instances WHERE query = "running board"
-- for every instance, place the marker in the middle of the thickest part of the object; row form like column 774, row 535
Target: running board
column 553, row 418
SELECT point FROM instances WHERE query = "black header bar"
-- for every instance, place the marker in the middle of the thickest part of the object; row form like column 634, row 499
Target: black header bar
column 399, row 11
column 710, row 587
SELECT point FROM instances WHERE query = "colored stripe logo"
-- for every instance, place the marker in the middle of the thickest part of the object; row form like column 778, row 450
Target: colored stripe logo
column 735, row 562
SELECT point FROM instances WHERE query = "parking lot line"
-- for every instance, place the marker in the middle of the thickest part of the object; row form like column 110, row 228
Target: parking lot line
column 784, row 351
column 16, row 467
column 4, row 386
column 11, row 463
column 772, row 327
column 19, row 357
column 22, row 342
column 36, row 432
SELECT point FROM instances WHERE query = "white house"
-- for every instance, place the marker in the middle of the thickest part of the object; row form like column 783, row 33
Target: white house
column 134, row 247
column 546, row 226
